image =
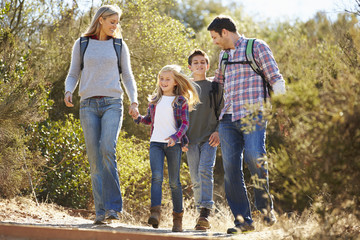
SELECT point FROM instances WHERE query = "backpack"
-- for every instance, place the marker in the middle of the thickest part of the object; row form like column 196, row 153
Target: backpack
column 249, row 54
column 214, row 95
column 84, row 41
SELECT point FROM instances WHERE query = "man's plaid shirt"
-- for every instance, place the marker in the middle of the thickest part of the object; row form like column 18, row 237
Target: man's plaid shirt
column 242, row 86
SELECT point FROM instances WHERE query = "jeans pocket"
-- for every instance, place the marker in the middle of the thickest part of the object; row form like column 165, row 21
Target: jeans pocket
column 84, row 103
column 113, row 101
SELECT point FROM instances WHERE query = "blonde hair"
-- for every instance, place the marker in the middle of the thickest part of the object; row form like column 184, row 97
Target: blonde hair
column 104, row 11
column 184, row 87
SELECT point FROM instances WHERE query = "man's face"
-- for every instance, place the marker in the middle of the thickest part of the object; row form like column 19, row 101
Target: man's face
column 221, row 41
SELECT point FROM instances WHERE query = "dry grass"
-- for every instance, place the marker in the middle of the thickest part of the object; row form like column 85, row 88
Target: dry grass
column 307, row 226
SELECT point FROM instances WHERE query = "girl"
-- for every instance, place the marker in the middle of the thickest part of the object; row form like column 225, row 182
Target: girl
column 168, row 114
column 101, row 107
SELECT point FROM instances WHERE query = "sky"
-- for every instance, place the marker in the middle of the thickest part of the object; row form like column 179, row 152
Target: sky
column 280, row 10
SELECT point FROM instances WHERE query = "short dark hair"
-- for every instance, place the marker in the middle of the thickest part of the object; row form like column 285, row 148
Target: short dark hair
column 222, row 22
column 197, row 52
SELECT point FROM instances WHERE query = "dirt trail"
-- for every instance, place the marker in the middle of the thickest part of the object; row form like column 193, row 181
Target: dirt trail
column 24, row 212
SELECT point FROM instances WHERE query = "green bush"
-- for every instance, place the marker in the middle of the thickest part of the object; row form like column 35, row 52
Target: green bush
column 65, row 177
column 315, row 136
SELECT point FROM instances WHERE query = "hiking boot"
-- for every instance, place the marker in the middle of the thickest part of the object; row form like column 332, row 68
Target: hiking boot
column 154, row 218
column 177, row 221
column 99, row 220
column 202, row 222
column 270, row 218
column 241, row 228
column 111, row 215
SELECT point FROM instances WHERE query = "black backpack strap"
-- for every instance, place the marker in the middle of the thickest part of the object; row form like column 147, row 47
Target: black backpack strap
column 251, row 58
column 117, row 47
column 84, row 41
column 225, row 62
column 213, row 94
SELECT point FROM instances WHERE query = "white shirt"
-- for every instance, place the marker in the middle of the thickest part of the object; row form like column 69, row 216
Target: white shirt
column 164, row 120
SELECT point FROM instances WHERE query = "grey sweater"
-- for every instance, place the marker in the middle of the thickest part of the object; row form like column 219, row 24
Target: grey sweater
column 100, row 75
column 202, row 121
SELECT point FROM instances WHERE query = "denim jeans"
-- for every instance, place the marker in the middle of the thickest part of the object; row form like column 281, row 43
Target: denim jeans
column 101, row 120
column 237, row 144
column 158, row 152
column 201, row 160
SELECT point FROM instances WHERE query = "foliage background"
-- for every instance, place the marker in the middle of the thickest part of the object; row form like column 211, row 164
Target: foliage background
column 313, row 132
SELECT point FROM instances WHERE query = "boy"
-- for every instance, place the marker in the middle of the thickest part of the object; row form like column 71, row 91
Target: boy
column 203, row 137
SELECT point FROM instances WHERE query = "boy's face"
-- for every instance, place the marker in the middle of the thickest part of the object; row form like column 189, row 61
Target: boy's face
column 199, row 66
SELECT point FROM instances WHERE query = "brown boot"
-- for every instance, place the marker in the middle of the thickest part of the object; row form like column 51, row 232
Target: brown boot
column 202, row 222
column 177, row 221
column 154, row 218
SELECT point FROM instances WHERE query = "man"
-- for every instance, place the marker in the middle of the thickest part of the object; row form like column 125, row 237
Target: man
column 244, row 97
column 203, row 137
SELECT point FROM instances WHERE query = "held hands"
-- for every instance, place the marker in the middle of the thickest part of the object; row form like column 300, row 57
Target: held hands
column 171, row 141
column 214, row 139
column 185, row 148
column 68, row 99
column 133, row 110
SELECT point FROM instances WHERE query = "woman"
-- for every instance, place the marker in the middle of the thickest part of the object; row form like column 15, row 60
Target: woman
column 101, row 105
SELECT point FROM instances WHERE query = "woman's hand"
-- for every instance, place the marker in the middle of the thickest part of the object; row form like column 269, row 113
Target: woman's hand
column 68, row 99
column 133, row 110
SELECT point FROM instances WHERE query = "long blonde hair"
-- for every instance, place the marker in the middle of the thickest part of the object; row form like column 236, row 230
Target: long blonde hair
column 104, row 11
column 184, row 87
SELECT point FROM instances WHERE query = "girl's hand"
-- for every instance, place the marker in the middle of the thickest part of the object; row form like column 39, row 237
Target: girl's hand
column 133, row 110
column 171, row 142
column 184, row 149
column 68, row 99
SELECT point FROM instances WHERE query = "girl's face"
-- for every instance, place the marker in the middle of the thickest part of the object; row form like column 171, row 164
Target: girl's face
column 167, row 83
column 109, row 25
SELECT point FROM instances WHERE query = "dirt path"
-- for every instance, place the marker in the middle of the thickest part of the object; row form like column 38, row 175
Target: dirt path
column 25, row 212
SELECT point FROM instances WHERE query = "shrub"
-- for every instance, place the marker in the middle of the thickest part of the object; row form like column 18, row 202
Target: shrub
column 65, row 177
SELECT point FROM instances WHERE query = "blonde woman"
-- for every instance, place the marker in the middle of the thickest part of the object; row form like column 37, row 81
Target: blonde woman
column 101, row 105
column 168, row 115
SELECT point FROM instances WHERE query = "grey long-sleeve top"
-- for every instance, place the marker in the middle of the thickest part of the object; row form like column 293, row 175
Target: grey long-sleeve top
column 100, row 75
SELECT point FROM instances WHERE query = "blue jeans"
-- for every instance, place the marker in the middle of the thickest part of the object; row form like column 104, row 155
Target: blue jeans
column 158, row 151
column 101, row 120
column 201, row 160
column 237, row 144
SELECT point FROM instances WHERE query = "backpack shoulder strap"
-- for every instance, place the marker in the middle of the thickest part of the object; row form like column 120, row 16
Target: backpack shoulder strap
column 214, row 98
column 117, row 47
column 84, row 41
column 250, row 56
column 223, row 63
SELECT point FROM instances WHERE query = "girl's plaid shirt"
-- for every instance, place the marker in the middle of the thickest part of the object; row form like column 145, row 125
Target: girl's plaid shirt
column 181, row 114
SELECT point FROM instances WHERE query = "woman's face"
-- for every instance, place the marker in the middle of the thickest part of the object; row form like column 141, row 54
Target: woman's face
column 109, row 25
